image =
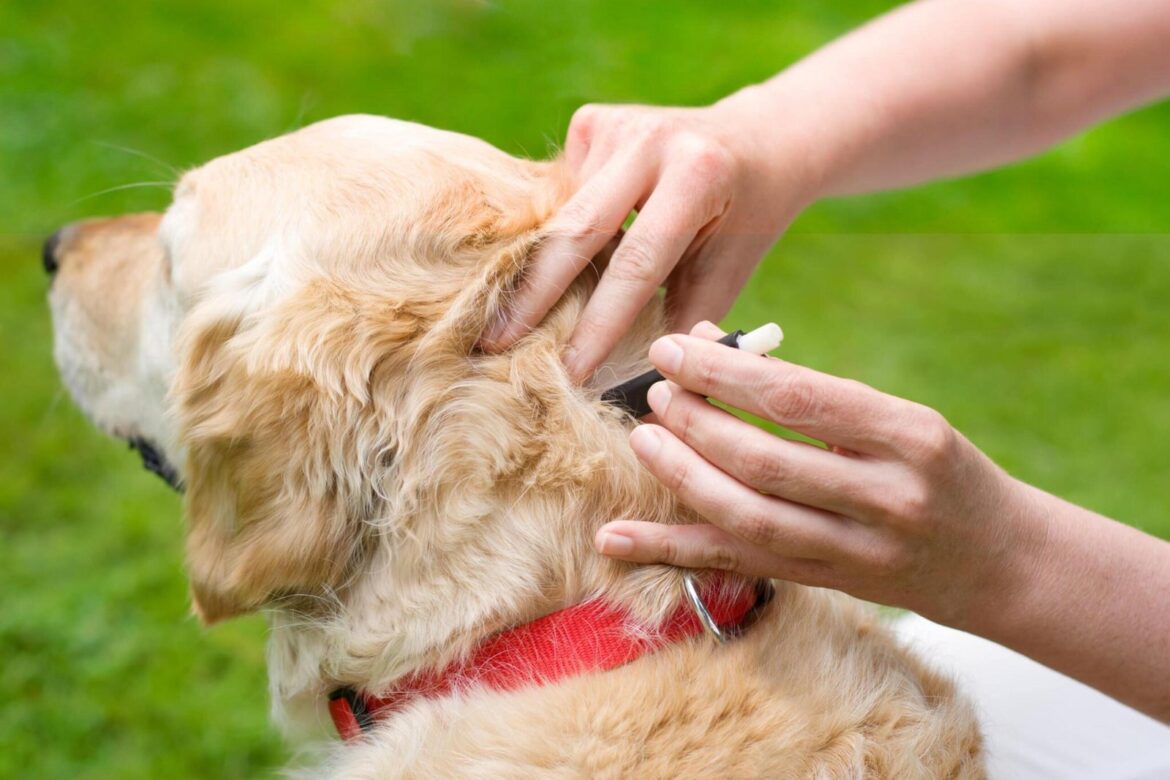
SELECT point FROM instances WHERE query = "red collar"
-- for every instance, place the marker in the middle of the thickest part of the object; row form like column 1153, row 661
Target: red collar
column 589, row 637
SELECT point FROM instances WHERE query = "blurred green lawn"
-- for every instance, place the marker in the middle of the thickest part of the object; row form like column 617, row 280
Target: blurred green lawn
column 1028, row 305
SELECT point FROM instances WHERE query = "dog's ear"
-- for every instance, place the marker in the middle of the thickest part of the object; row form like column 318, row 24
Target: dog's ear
column 497, row 239
column 294, row 396
column 285, row 437
column 258, row 526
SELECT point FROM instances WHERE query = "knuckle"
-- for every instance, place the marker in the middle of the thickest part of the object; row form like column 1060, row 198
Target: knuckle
column 681, row 417
column 706, row 373
column 790, row 399
column 677, row 475
column 650, row 127
column 669, row 549
column 580, row 221
column 591, row 331
column 910, row 503
column 584, row 120
column 708, row 160
column 886, row 559
column 634, row 261
column 758, row 467
column 932, row 439
column 722, row 556
column 755, row 527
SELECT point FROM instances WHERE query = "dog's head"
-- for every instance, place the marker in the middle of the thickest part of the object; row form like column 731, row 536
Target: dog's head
column 298, row 329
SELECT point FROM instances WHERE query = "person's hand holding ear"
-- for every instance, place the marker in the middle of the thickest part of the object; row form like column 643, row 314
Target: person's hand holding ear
column 710, row 201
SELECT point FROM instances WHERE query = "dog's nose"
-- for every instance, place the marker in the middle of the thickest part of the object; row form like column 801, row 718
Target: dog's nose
column 49, row 253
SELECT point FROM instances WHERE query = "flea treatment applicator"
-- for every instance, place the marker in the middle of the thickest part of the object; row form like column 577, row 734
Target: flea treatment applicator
column 631, row 395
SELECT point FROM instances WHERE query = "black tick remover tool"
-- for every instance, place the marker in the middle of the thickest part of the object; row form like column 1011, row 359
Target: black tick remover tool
column 631, row 395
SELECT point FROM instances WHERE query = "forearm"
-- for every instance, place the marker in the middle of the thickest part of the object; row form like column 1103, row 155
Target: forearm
column 940, row 88
column 1093, row 601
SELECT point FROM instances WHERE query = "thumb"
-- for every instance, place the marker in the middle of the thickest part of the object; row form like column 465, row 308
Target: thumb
column 704, row 546
column 687, row 546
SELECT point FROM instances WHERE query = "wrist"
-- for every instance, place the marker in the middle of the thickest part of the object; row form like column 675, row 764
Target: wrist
column 775, row 145
column 1021, row 564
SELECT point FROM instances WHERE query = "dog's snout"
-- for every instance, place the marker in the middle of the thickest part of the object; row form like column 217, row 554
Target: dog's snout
column 49, row 253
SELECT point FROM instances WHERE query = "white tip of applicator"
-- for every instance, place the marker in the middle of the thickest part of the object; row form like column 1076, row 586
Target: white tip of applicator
column 762, row 340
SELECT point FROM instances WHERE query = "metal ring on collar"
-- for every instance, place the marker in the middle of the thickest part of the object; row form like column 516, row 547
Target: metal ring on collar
column 691, row 590
column 719, row 633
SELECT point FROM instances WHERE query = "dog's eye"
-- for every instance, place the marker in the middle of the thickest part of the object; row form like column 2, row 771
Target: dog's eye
column 154, row 462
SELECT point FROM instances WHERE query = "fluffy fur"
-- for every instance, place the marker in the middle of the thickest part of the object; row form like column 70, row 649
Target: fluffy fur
column 391, row 496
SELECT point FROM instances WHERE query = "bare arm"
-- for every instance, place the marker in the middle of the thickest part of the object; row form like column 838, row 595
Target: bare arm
column 1098, row 606
column 939, row 88
column 936, row 88
column 902, row 510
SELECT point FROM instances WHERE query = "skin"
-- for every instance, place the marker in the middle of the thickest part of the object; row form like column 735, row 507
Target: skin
column 899, row 508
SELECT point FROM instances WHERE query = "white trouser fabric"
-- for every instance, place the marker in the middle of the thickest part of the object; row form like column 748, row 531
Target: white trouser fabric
column 1039, row 723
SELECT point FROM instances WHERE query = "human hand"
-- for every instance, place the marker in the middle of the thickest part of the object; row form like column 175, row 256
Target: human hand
column 710, row 203
column 900, row 509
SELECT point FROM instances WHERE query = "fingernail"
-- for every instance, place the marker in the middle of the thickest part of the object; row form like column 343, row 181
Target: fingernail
column 570, row 356
column 659, row 397
column 610, row 543
column 666, row 354
column 645, row 441
column 494, row 330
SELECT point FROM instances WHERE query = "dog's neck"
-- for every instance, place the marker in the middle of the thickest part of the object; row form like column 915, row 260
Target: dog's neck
column 489, row 523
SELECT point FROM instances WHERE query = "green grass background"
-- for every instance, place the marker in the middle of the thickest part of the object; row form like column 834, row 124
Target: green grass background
column 1028, row 305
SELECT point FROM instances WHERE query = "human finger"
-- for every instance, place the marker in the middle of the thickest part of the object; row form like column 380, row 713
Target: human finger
column 702, row 546
column 788, row 469
column 581, row 229
column 665, row 227
column 837, row 411
column 779, row 525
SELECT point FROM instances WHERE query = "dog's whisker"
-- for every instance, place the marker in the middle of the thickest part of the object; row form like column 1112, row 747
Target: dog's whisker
column 553, row 145
column 130, row 186
column 52, row 407
column 171, row 169
column 302, row 109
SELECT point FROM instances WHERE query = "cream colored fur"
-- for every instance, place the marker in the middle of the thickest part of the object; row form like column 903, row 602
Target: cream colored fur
column 391, row 496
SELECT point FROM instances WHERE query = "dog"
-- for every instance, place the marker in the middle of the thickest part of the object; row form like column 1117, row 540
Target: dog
column 293, row 344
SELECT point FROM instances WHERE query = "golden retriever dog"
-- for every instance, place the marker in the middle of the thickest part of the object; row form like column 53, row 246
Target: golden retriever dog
column 294, row 342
